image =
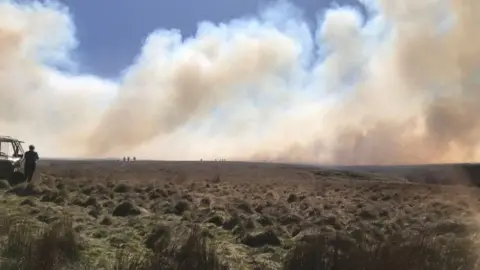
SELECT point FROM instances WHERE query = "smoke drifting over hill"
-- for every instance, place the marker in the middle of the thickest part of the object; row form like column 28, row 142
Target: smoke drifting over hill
column 400, row 86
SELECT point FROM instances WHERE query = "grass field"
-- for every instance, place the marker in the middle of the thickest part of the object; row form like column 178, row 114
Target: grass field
column 233, row 215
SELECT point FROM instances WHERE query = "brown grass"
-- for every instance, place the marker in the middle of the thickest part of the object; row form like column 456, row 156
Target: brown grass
column 194, row 254
column 48, row 248
column 412, row 251
column 233, row 216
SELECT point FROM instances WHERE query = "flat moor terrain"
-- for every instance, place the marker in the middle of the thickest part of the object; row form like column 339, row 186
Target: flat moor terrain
column 239, row 215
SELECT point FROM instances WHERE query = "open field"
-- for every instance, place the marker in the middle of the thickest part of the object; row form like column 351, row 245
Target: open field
column 234, row 215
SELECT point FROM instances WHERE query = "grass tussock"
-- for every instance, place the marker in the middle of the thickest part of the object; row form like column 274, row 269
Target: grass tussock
column 54, row 247
column 41, row 248
column 413, row 251
column 57, row 246
column 195, row 253
column 242, row 218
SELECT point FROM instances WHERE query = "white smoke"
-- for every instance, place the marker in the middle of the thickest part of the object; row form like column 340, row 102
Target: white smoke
column 396, row 87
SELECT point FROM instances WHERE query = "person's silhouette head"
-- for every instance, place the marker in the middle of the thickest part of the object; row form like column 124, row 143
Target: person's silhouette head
column 31, row 147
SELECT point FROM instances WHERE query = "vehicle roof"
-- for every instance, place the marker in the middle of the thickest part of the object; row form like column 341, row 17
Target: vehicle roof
column 8, row 139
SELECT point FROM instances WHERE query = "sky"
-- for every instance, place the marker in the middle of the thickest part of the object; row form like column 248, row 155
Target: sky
column 392, row 82
column 111, row 32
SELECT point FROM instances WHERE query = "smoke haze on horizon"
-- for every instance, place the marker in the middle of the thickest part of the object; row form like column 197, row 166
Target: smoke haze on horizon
column 399, row 86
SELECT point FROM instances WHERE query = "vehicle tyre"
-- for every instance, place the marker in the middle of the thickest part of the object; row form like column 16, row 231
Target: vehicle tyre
column 16, row 178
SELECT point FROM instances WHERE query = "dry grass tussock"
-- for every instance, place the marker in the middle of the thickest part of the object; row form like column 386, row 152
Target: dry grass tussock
column 58, row 247
column 426, row 252
column 74, row 218
column 26, row 246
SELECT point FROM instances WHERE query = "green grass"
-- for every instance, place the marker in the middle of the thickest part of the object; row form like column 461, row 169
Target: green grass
column 27, row 246
column 58, row 247
column 44, row 248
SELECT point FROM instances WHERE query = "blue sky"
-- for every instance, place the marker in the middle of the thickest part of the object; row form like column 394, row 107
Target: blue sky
column 111, row 32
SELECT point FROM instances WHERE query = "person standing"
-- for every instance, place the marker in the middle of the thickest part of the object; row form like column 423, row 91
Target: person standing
column 31, row 158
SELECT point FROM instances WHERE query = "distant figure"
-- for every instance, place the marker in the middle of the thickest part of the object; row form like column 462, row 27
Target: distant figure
column 134, row 159
column 31, row 158
column 128, row 159
column 124, row 159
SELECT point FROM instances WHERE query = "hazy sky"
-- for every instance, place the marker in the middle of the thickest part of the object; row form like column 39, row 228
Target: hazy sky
column 111, row 32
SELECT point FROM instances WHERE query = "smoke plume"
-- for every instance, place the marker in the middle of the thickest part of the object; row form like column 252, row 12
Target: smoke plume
column 397, row 86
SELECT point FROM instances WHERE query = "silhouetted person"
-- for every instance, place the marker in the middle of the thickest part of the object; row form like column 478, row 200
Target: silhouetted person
column 31, row 158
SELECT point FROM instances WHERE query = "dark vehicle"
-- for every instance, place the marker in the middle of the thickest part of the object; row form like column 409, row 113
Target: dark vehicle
column 12, row 159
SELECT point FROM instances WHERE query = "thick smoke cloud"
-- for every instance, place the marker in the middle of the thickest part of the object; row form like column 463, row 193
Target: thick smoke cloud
column 399, row 86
